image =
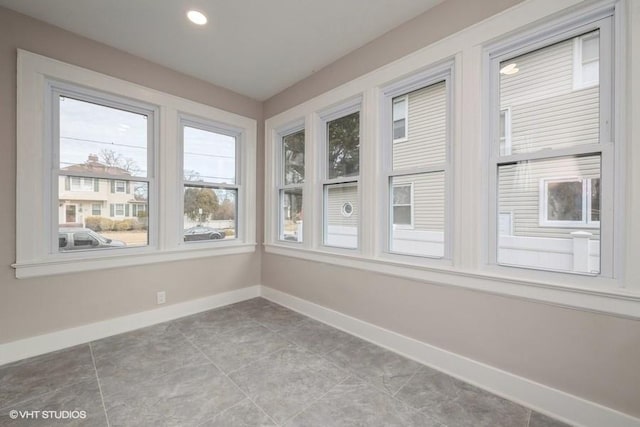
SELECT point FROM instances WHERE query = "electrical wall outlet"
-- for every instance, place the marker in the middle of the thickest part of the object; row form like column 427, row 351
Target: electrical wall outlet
column 161, row 297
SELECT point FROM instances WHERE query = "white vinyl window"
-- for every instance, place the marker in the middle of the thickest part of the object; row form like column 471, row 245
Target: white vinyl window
column 417, row 171
column 92, row 159
column 210, row 181
column 96, row 138
column 559, row 169
column 341, row 175
column 290, row 184
column 400, row 118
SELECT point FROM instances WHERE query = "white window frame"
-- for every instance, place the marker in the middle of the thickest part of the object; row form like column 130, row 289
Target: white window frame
column 117, row 184
column 404, row 98
column 441, row 72
column 409, row 226
column 281, row 187
column 116, row 208
column 326, row 116
column 37, row 191
column 586, row 221
column 578, row 65
column 93, row 209
column 505, row 50
column 472, row 129
column 219, row 128
column 84, row 184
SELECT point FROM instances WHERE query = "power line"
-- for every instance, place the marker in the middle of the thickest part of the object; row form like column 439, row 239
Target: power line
column 103, row 142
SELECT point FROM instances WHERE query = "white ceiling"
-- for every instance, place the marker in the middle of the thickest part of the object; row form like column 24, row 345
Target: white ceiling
column 253, row 47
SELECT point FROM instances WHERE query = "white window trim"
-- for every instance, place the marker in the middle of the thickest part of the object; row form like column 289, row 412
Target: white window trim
column 124, row 187
column 35, row 258
column 599, row 16
column 411, row 203
column 93, row 208
column 406, row 119
column 324, row 182
column 289, row 129
column 115, row 210
column 578, row 79
column 83, row 183
column 220, row 128
column 586, row 204
column 469, row 267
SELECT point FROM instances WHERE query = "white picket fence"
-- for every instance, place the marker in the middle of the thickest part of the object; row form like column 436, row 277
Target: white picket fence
column 580, row 253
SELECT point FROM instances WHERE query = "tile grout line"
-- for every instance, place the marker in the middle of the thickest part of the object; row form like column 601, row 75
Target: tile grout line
column 406, row 382
column 223, row 411
column 529, row 418
column 95, row 368
column 310, row 404
column 231, row 380
column 261, row 358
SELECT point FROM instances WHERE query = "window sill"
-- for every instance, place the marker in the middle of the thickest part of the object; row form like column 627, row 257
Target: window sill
column 608, row 298
column 78, row 264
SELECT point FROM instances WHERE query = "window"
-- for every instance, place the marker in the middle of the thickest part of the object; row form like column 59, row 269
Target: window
column 417, row 170
column 400, row 118
column 100, row 138
column 290, row 187
column 586, row 60
column 549, row 177
column 402, row 205
column 81, row 184
column 341, row 195
column 571, row 202
column 210, row 182
column 102, row 130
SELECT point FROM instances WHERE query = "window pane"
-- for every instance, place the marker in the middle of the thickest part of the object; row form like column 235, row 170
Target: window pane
column 209, row 214
column 590, row 48
column 547, row 202
column 291, row 215
column 341, row 216
column 100, row 139
column 343, row 136
column 293, row 152
column 547, row 111
column 418, row 229
column 564, row 201
column 427, row 133
column 399, row 117
column 209, row 156
column 107, row 216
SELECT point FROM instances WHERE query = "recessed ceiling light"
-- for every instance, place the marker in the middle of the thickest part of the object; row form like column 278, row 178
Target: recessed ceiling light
column 196, row 17
column 509, row 69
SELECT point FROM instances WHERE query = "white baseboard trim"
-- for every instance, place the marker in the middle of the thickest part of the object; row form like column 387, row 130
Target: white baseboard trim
column 34, row 346
column 558, row 404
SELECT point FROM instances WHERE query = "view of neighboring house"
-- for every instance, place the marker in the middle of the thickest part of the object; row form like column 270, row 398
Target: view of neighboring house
column 81, row 197
column 549, row 100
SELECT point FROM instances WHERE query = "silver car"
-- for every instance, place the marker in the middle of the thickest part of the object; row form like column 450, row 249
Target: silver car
column 70, row 239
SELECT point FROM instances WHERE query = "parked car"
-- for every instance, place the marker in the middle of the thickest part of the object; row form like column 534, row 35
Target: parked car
column 83, row 238
column 200, row 232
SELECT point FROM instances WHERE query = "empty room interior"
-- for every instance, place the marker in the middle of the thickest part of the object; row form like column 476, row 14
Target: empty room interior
column 320, row 213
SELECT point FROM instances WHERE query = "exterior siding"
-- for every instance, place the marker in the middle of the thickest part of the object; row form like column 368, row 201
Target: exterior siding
column 428, row 200
column 546, row 112
column 427, row 129
column 338, row 196
column 519, row 189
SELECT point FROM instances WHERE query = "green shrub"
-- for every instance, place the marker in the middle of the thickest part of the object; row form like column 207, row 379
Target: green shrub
column 93, row 223
column 124, row 225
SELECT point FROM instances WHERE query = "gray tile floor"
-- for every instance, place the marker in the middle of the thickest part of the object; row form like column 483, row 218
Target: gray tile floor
column 254, row 363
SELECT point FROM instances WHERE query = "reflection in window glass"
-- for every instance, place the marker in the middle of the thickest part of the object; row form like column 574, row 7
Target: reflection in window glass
column 209, row 213
column 548, row 201
column 343, row 137
column 102, row 218
column 209, row 156
column 400, row 117
column 549, row 111
column 293, row 152
column 101, row 139
column 291, row 215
